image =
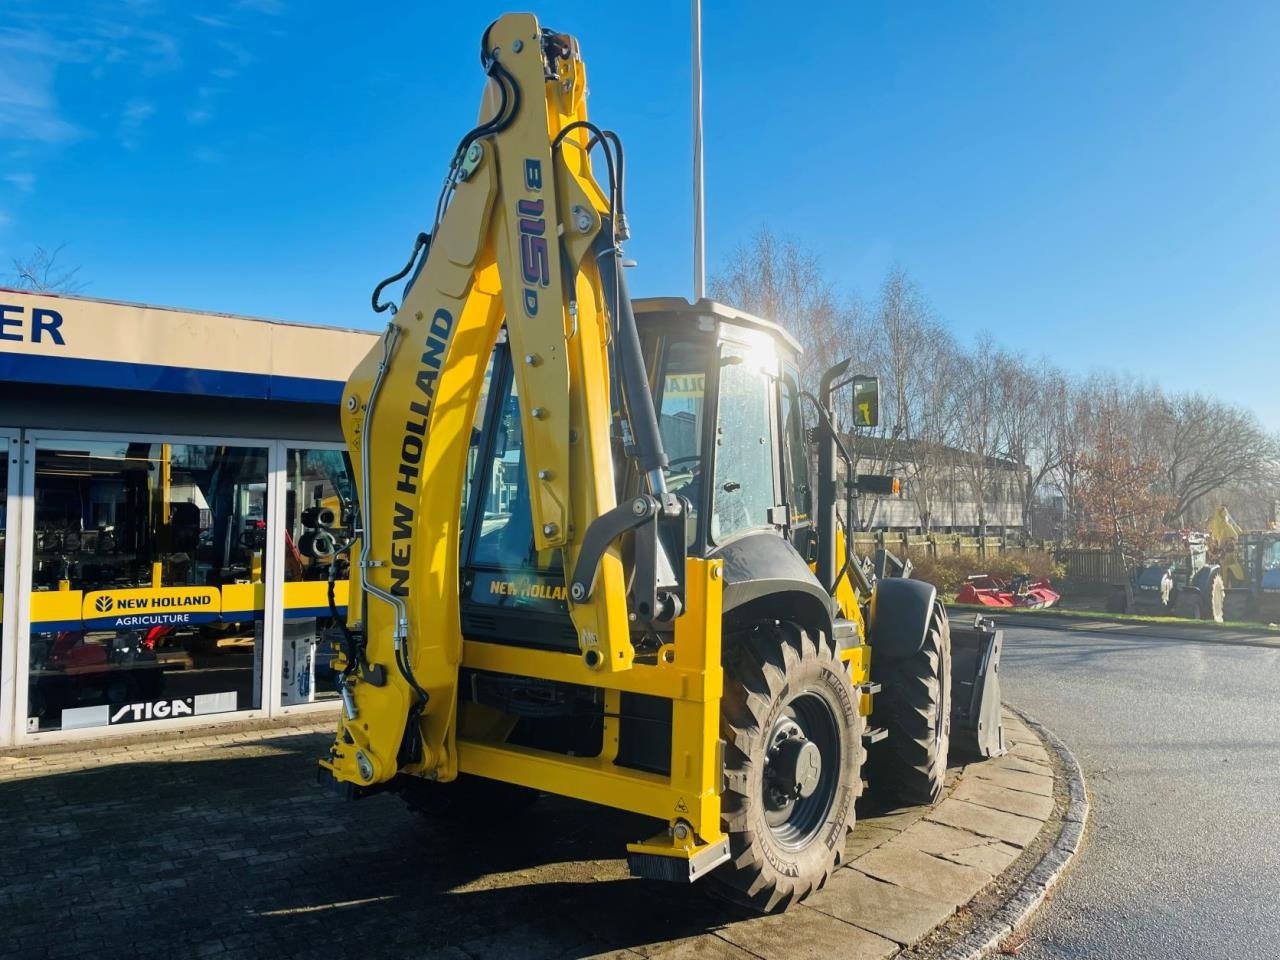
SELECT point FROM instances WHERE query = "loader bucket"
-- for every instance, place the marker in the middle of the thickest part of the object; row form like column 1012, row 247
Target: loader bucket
column 976, row 730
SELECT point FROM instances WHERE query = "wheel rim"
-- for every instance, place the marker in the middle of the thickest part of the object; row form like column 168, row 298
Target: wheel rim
column 802, row 771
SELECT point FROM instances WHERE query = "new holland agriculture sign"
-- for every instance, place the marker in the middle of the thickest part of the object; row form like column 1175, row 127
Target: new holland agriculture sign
column 150, row 607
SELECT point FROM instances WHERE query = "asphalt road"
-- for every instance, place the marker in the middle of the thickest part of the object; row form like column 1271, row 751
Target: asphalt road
column 1180, row 744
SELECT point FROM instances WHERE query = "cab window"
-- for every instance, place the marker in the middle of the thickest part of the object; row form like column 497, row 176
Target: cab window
column 682, row 392
column 743, row 492
column 502, row 532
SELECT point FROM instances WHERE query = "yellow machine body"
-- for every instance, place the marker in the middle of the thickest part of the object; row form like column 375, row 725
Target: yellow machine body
column 520, row 204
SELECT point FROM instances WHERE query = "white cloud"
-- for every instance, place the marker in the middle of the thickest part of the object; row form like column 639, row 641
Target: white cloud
column 197, row 117
column 26, row 182
column 5, row 219
column 136, row 112
column 28, row 108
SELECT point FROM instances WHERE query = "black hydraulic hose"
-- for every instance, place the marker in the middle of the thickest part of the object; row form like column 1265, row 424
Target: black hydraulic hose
column 646, row 438
column 508, row 107
column 423, row 240
column 604, row 138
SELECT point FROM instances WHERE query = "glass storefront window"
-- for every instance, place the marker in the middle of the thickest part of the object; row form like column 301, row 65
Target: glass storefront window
column 147, row 581
column 318, row 504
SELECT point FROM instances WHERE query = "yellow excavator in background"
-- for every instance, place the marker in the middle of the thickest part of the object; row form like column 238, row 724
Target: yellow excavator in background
column 1250, row 568
column 588, row 558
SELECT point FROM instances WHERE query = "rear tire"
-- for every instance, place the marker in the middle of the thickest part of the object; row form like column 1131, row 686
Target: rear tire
column 908, row 767
column 787, row 703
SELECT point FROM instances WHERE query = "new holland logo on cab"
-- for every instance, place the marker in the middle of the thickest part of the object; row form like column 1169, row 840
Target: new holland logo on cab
column 104, row 604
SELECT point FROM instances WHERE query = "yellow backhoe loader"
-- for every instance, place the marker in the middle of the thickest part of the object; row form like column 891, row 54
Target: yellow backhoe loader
column 588, row 559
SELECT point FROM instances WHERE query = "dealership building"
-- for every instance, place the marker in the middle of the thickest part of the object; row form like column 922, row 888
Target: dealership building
column 175, row 487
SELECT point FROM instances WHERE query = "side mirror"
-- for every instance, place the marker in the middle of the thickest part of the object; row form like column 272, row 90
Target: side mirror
column 866, row 401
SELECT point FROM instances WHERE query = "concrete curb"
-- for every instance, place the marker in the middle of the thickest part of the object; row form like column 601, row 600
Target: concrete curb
column 1019, row 908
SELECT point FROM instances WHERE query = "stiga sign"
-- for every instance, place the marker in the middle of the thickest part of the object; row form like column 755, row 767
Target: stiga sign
column 153, row 710
column 151, row 607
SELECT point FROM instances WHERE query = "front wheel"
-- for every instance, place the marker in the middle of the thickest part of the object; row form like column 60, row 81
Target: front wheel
column 793, row 757
column 908, row 766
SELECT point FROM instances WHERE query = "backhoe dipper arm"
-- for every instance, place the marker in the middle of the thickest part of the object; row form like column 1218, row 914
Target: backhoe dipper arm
column 517, row 245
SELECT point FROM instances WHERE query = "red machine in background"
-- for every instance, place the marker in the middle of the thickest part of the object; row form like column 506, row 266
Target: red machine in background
column 1020, row 591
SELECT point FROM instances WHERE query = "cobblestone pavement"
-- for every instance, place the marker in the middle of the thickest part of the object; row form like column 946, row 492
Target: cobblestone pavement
column 223, row 846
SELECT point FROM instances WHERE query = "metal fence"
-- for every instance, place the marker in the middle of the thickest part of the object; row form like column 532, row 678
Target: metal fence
column 919, row 545
column 1082, row 564
column 1092, row 565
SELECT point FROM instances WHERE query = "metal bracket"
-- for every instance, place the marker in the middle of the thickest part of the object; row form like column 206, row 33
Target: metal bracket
column 470, row 161
column 655, row 587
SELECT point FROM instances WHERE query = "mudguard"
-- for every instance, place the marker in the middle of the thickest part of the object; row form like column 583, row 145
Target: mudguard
column 900, row 611
column 976, row 727
column 1203, row 580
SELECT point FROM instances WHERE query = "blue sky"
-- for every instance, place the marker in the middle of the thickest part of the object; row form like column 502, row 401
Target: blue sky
column 1095, row 181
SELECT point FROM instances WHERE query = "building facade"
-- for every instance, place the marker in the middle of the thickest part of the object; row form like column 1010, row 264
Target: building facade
column 938, row 489
column 174, row 488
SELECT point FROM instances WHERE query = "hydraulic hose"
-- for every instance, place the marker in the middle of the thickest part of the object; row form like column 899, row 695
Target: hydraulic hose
column 646, row 438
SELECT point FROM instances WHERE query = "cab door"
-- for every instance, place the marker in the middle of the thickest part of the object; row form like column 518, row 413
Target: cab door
column 511, row 592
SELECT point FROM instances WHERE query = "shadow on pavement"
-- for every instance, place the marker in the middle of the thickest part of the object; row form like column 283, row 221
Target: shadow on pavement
column 231, row 854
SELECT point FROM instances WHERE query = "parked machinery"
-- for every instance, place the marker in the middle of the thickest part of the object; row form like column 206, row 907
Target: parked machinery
column 589, row 562
column 1181, row 581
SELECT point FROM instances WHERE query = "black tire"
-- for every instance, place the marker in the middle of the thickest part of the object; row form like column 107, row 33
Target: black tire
column 908, row 767
column 787, row 699
column 468, row 800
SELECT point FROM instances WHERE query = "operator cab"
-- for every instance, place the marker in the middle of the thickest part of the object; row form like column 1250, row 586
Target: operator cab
column 725, row 390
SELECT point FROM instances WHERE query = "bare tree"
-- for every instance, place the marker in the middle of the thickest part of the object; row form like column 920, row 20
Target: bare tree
column 40, row 272
column 1205, row 445
column 1031, row 399
column 916, row 358
column 780, row 280
column 979, row 416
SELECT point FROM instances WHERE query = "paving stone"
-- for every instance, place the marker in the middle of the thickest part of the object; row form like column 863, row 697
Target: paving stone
column 924, row 873
column 866, row 838
column 236, row 827
column 993, row 856
column 936, row 838
column 1016, row 780
column 706, row 947
column 985, row 821
column 993, row 795
column 898, row 819
column 899, row 913
column 804, row 934
column 1011, row 762
column 1030, row 751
